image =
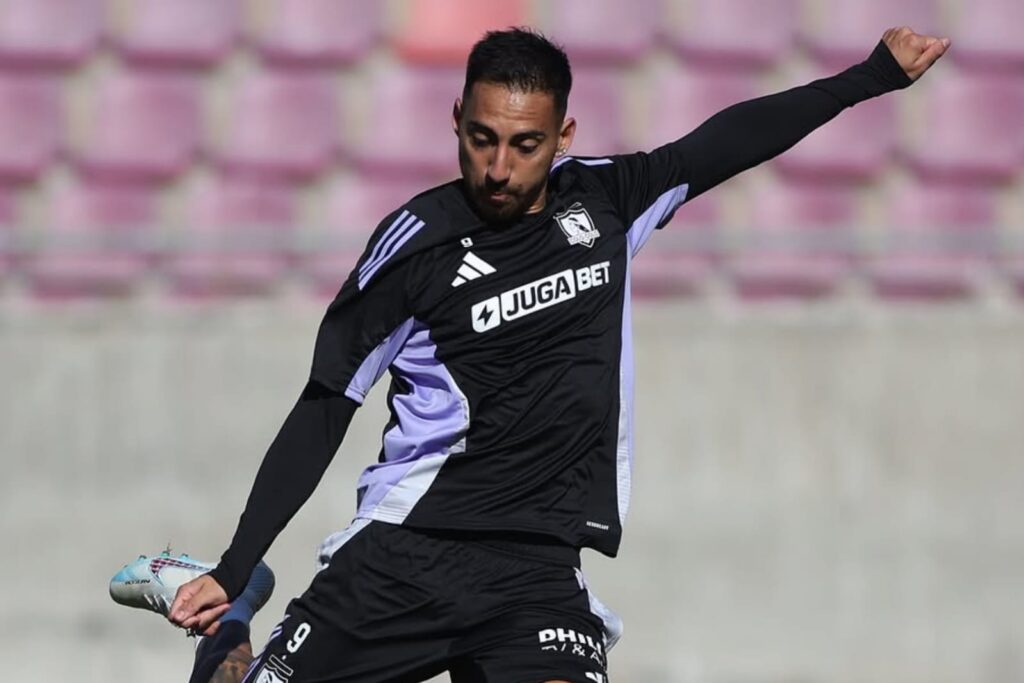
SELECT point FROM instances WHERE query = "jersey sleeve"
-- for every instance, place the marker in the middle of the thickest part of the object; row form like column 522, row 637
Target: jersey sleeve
column 292, row 467
column 363, row 330
column 648, row 187
column 370, row 320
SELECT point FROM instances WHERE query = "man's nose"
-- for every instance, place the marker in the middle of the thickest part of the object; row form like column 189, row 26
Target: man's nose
column 499, row 171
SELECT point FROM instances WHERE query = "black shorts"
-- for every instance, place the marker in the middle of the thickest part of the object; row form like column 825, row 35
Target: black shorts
column 392, row 604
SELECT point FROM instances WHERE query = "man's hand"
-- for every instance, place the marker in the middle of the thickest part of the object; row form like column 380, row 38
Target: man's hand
column 198, row 604
column 915, row 53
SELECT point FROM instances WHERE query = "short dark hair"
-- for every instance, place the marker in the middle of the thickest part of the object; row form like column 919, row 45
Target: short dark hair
column 521, row 59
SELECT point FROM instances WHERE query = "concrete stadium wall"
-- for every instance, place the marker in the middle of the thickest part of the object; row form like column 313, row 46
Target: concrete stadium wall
column 820, row 495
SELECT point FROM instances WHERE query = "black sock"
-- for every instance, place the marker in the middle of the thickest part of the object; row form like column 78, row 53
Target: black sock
column 213, row 650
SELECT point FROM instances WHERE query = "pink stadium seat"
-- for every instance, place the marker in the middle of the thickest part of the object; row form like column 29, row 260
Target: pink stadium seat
column 237, row 237
column 987, row 34
column 96, row 239
column 142, row 125
column 411, row 128
column 443, row 31
column 353, row 207
column 595, row 104
column 735, row 32
column 844, row 32
column 48, row 32
column 318, row 31
column 601, row 31
column 799, row 243
column 682, row 99
column 970, row 127
column 30, row 124
column 179, row 32
column 856, row 145
column 282, row 123
column 939, row 239
column 680, row 259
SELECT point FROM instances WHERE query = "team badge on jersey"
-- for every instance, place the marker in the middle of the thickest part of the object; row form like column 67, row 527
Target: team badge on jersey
column 576, row 224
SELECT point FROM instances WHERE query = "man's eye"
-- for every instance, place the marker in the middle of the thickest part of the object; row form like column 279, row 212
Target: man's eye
column 528, row 149
column 479, row 141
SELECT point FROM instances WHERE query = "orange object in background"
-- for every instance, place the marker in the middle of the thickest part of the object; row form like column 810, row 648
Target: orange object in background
column 443, row 31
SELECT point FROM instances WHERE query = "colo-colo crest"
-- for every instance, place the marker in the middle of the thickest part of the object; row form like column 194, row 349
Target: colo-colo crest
column 575, row 222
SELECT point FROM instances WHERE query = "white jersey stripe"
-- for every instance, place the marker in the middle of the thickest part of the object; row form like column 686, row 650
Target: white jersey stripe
column 611, row 621
column 383, row 238
column 386, row 242
column 586, row 162
column 399, row 239
column 624, row 445
column 468, row 273
column 334, row 542
column 484, row 267
column 472, row 268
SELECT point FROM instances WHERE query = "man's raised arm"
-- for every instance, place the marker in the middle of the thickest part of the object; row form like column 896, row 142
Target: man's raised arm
column 749, row 133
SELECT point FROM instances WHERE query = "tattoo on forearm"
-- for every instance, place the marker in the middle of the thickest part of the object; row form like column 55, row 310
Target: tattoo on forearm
column 234, row 666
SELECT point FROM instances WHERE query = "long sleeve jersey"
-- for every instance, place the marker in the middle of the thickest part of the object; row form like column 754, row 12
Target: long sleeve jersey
column 509, row 347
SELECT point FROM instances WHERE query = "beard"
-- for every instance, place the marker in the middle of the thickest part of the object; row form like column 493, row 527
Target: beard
column 509, row 210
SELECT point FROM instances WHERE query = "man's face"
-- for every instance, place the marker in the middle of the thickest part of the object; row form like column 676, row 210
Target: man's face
column 507, row 141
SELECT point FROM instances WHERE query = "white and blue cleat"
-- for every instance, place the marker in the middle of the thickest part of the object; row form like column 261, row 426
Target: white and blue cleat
column 150, row 583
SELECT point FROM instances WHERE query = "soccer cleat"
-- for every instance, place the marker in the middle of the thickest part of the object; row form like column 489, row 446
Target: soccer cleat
column 150, row 583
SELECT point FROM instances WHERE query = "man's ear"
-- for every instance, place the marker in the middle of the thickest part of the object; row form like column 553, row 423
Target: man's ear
column 566, row 135
column 457, row 115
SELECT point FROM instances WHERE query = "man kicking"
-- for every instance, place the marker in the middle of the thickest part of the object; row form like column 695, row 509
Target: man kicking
column 499, row 304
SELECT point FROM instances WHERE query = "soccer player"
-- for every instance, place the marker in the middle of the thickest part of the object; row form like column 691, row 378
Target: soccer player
column 499, row 304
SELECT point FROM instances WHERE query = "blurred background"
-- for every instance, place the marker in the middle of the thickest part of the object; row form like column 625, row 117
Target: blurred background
column 830, row 348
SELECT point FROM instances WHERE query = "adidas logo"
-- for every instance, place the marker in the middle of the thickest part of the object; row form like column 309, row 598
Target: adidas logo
column 472, row 268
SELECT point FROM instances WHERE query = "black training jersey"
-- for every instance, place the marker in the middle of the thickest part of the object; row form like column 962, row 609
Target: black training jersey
column 509, row 353
column 509, row 347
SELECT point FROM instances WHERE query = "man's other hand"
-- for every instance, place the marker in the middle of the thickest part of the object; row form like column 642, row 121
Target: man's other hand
column 914, row 52
column 198, row 604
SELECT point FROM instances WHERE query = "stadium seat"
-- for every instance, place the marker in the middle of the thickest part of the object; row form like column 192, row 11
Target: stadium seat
column 969, row 127
column 939, row 239
column 602, row 31
column 595, row 104
column 353, row 206
column 48, row 32
column 680, row 259
column 734, row 32
column 96, row 238
column 682, row 99
column 443, row 31
column 987, row 34
column 141, row 125
column 281, row 122
column 30, row 124
column 799, row 242
column 181, row 32
column 844, row 32
column 410, row 128
column 236, row 237
column 856, row 145
column 317, row 32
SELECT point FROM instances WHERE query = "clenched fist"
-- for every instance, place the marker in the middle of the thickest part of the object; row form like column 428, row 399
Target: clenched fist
column 914, row 52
